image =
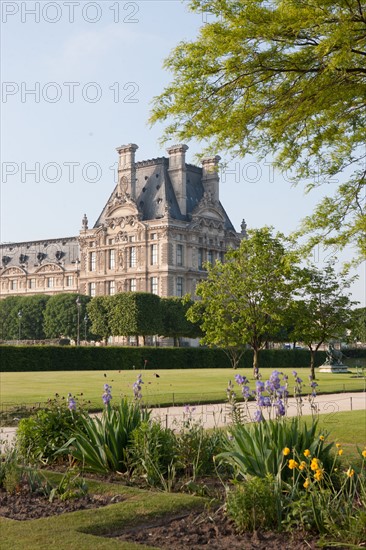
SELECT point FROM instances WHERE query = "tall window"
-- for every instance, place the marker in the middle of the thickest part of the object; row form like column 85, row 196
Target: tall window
column 179, row 254
column 92, row 261
column 13, row 284
column 154, row 285
column 154, row 254
column 111, row 287
column 200, row 258
column 111, row 259
column 50, row 282
column 179, row 286
column 210, row 256
column 32, row 283
column 132, row 258
column 132, row 285
column 92, row 287
column 69, row 280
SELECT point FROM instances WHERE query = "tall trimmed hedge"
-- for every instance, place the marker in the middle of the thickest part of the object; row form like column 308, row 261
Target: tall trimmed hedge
column 59, row 358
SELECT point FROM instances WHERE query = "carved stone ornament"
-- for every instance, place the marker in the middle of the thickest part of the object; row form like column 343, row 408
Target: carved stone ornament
column 123, row 186
column 207, row 199
column 14, row 271
column 49, row 268
column 121, row 237
column 84, row 223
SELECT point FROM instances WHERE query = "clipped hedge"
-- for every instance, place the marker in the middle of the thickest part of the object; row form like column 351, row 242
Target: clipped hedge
column 59, row 358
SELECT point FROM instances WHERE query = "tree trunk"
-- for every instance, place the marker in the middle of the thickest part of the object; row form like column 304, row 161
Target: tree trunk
column 312, row 362
column 175, row 342
column 255, row 364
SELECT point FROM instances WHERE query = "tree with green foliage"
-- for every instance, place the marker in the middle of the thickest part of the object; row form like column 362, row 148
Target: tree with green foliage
column 135, row 314
column 357, row 325
column 174, row 321
column 9, row 320
column 98, row 310
column 285, row 78
column 243, row 300
column 32, row 320
column 61, row 316
column 323, row 311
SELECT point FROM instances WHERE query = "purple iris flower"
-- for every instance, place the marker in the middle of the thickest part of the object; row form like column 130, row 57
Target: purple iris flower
column 258, row 416
column 107, row 395
column 281, row 411
column 71, row 403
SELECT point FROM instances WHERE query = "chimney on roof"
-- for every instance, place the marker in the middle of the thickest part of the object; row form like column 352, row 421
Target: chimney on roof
column 127, row 169
column 178, row 174
column 210, row 176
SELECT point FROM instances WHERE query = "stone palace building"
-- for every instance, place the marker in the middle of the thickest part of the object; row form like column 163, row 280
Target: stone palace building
column 162, row 222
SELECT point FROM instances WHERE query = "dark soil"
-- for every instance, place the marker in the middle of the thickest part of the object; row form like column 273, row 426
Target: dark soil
column 214, row 531
column 24, row 505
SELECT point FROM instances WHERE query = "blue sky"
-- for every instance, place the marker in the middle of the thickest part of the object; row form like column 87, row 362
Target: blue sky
column 95, row 67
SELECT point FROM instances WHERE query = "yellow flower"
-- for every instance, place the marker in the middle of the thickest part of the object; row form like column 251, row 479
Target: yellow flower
column 321, row 437
column 286, row 451
column 318, row 475
column 307, row 453
column 302, row 465
column 364, row 453
column 340, row 452
column 292, row 464
column 314, row 464
column 306, row 483
column 350, row 472
column 338, row 445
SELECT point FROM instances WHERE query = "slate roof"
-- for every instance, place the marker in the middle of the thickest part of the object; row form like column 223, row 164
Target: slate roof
column 155, row 193
column 32, row 254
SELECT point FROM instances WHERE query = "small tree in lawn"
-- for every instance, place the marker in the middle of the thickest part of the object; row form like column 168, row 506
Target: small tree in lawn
column 323, row 310
column 33, row 308
column 98, row 312
column 61, row 315
column 175, row 322
column 135, row 314
column 9, row 321
column 243, row 300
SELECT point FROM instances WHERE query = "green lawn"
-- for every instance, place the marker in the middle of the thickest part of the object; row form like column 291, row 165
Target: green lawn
column 172, row 386
column 346, row 428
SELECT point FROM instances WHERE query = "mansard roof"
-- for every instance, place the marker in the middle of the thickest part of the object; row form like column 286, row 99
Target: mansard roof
column 155, row 195
column 33, row 254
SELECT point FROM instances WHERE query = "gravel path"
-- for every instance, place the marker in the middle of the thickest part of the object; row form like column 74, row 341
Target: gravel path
column 219, row 414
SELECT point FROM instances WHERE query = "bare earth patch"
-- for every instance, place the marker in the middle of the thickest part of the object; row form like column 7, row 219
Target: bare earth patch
column 24, row 505
column 216, row 532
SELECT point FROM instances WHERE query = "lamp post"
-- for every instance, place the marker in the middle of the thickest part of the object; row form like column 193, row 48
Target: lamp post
column 86, row 319
column 20, row 315
column 78, row 305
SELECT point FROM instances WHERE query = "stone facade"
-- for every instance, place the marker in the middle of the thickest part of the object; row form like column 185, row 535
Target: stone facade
column 162, row 221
